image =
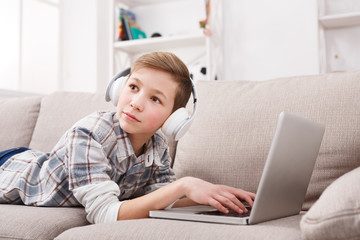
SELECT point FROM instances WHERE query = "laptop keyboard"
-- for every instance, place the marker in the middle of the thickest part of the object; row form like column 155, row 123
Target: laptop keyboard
column 231, row 213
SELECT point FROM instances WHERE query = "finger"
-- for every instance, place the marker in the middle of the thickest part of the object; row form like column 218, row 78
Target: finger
column 252, row 198
column 252, row 195
column 239, row 193
column 225, row 201
column 247, row 196
column 249, row 200
column 213, row 202
column 231, row 201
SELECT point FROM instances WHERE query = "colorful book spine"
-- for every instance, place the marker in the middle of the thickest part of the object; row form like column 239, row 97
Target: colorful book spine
column 128, row 29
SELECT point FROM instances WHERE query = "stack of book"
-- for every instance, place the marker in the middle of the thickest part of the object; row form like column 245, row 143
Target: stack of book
column 128, row 29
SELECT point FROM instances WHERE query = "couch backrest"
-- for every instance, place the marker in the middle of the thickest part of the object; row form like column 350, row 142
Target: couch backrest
column 17, row 121
column 232, row 132
column 59, row 111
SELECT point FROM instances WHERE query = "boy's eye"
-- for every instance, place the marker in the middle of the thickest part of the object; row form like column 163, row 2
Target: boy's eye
column 155, row 99
column 133, row 87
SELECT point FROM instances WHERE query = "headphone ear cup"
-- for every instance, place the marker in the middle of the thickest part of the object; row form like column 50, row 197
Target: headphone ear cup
column 116, row 89
column 175, row 123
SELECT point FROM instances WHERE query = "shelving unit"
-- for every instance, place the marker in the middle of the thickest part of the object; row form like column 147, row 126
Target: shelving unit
column 340, row 20
column 135, row 3
column 339, row 31
column 169, row 17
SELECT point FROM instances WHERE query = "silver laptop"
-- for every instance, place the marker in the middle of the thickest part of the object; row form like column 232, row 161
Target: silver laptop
column 284, row 180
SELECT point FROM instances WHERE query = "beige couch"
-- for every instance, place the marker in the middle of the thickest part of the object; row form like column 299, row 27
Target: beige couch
column 227, row 144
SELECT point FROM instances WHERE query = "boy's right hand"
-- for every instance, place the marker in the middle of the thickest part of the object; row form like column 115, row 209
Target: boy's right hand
column 219, row 196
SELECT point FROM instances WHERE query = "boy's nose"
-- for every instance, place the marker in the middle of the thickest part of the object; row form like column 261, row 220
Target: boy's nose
column 137, row 104
column 137, row 107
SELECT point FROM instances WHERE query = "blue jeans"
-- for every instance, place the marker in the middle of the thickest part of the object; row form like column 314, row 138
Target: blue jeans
column 5, row 155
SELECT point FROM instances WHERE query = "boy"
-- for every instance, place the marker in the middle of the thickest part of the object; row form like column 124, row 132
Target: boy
column 117, row 165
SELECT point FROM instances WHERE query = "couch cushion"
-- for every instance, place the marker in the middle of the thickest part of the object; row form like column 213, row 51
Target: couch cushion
column 336, row 215
column 26, row 222
column 59, row 111
column 286, row 228
column 231, row 135
column 17, row 121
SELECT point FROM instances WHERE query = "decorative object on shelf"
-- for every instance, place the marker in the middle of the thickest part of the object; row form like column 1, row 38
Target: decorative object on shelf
column 204, row 22
column 156, row 34
column 197, row 70
column 137, row 33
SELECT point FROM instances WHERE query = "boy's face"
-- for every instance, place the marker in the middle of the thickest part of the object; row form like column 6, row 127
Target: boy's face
column 146, row 101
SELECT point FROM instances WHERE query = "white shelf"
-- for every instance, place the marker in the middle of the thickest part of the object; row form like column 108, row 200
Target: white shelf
column 135, row 3
column 159, row 43
column 341, row 20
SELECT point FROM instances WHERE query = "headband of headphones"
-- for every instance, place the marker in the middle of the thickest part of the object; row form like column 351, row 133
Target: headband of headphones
column 177, row 123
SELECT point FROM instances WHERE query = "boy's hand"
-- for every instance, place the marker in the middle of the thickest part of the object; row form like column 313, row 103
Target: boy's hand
column 219, row 196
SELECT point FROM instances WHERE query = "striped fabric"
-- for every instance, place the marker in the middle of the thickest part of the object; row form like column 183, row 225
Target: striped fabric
column 95, row 149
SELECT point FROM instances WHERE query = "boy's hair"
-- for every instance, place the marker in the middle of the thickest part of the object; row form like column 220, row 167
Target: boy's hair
column 170, row 63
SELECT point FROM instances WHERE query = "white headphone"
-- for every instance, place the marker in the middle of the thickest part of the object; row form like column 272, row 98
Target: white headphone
column 178, row 122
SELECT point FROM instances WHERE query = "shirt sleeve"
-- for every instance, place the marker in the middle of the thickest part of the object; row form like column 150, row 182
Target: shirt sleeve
column 100, row 201
column 86, row 159
column 88, row 169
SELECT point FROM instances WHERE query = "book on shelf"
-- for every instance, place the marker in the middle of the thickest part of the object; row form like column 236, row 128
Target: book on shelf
column 128, row 29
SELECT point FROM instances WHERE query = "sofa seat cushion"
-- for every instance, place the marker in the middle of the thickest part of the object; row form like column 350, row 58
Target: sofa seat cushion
column 286, row 228
column 230, row 137
column 336, row 215
column 17, row 121
column 27, row 222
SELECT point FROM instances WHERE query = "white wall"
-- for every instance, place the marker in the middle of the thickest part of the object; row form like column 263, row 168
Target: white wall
column 29, row 45
column 268, row 39
column 85, row 38
column 78, row 38
column 54, row 45
column 104, row 44
column 40, row 46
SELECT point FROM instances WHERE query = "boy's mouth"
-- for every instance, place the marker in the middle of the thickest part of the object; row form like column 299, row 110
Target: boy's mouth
column 131, row 117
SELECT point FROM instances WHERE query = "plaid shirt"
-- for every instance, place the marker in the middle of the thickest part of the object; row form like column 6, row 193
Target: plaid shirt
column 94, row 150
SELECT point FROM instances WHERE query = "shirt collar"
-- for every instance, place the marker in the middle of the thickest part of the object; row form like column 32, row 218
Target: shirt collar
column 155, row 149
